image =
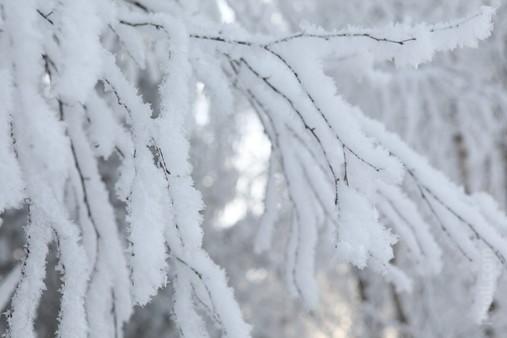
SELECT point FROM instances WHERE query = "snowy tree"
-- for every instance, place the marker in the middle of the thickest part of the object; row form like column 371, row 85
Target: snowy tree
column 430, row 109
column 72, row 99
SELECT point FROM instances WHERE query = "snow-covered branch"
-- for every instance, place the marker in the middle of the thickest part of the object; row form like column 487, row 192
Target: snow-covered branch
column 70, row 100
